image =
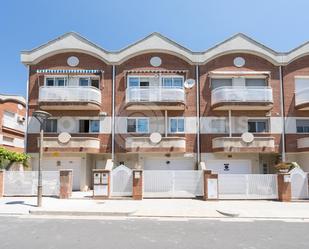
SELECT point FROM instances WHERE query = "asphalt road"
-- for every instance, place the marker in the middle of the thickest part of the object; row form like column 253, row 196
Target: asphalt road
column 46, row 233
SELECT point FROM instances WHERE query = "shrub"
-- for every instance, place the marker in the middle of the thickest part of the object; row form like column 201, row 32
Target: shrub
column 8, row 157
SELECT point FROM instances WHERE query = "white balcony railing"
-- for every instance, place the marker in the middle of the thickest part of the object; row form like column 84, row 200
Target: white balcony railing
column 75, row 142
column 302, row 96
column 70, row 94
column 155, row 94
column 145, row 143
column 237, row 142
column 14, row 124
column 303, row 142
column 241, row 94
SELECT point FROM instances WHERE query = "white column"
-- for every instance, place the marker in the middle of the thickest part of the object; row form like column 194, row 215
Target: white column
column 230, row 123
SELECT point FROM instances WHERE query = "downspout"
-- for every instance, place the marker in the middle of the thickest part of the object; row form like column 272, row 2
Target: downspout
column 282, row 115
column 198, row 115
column 113, row 114
column 27, row 111
column 230, row 123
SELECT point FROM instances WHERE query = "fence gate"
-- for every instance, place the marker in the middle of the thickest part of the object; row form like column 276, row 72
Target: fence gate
column 299, row 184
column 121, row 181
column 173, row 183
column 247, row 186
column 25, row 183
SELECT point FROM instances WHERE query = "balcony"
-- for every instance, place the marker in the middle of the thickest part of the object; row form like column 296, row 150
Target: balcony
column 303, row 144
column 236, row 144
column 302, row 99
column 166, row 145
column 76, row 144
column 156, row 98
column 69, row 98
column 14, row 125
column 242, row 98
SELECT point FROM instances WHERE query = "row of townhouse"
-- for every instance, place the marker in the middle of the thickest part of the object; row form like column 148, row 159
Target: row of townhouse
column 12, row 122
column 158, row 105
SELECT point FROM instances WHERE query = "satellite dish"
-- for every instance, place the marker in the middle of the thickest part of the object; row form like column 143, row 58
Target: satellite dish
column 67, row 124
column 155, row 137
column 247, row 137
column 64, row 137
column 189, row 83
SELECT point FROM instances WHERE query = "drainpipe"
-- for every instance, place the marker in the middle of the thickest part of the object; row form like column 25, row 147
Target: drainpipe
column 198, row 114
column 282, row 115
column 113, row 113
column 27, row 111
column 230, row 123
column 165, row 117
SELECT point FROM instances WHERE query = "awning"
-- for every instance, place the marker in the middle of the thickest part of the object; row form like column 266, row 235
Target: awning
column 68, row 71
column 214, row 74
column 157, row 71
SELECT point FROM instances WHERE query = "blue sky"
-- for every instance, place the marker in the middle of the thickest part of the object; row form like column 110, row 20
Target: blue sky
column 196, row 24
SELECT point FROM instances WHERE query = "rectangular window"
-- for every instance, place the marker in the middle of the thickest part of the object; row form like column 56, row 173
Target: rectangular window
column 138, row 125
column 56, row 81
column 302, row 125
column 9, row 115
column 219, row 126
column 301, row 84
column 8, row 140
column 50, row 125
column 172, row 82
column 84, row 81
column 89, row 126
column 256, row 82
column 95, row 83
column 133, row 82
column 50, row 82
column 256, row 126
column 215, row 83
column 177, row 125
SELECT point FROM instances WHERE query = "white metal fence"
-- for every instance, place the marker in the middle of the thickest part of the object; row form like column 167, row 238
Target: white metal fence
column 155, row 94
column 25, row 183
column 239, row 94
column 299, row 184
column 247, row 186
column 173, row 183
column 121, row 181
column 70, row 93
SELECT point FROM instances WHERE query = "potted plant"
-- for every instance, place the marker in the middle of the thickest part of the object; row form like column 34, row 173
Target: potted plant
column 285, row 167
column 9, row 158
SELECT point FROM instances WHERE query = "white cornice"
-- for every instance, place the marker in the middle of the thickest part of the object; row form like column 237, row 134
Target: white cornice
column 156, row 42
column 16, row 98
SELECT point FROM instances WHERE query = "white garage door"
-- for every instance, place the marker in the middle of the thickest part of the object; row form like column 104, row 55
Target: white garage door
column 229, row 166
column 65, row 163
column 169, row 164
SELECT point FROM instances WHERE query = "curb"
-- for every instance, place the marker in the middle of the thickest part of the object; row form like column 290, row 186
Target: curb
column 79, row 213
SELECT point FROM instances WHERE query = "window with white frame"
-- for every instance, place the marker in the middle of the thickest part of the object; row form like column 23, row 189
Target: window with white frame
column 238, row 81
column 56, row 81
column 177, row 125
column 141, row 81
column 138, row 125
column 8, row 140
column 258, row 125
column 172, row 82
column 89, row 126
column 50, row 125
column 88, row 81
column 302, row 125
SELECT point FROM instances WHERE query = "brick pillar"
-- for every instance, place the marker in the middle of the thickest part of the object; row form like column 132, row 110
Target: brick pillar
column 214, row 185
column 65, row 184
column 1, row 182
column 137, row 184
column 284, row 187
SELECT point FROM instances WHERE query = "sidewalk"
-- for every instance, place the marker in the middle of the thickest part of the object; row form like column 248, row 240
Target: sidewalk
column 156, row 208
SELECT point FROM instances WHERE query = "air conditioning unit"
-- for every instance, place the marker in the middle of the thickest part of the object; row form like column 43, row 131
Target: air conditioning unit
column 21, row 119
